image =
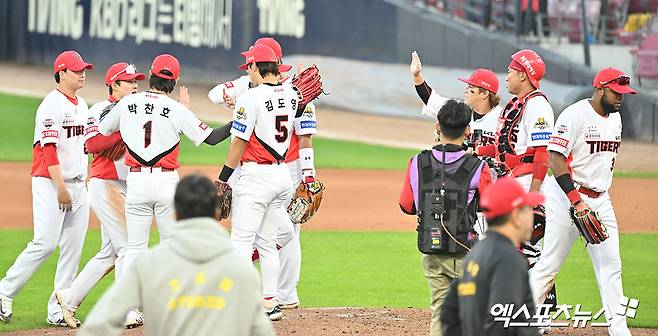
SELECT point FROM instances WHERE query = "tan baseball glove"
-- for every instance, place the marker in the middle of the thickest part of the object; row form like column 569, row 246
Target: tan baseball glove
column 306, row 201
column 224, row 200
column 588, row 223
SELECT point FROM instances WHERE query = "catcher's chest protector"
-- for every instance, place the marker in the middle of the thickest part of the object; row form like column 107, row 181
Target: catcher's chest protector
column 509, row 119
column 458, row 215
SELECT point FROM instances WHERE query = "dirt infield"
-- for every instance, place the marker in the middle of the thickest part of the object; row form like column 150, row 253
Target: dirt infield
column 354, row 321
column 355, row 200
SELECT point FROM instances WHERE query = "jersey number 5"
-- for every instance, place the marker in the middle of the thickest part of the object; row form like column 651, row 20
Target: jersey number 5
column 147, row 133
column 282, row 129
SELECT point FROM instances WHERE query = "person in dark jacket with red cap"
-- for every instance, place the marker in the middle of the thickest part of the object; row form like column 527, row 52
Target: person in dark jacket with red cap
column 495, row 274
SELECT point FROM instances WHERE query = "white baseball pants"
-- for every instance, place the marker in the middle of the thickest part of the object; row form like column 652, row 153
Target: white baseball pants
column 560, row 236
column 107, row 198
column 52, row 228
column 290, row 254
column 150, row 194
column 258, row 209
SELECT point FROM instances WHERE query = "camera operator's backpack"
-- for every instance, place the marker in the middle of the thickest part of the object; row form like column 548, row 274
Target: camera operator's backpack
column 445, row 217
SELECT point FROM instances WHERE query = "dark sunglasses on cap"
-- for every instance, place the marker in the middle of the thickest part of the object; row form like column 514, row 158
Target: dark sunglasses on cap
column 621, row 80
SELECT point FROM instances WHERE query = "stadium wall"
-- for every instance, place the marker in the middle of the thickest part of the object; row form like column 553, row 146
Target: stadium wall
column 208, row 36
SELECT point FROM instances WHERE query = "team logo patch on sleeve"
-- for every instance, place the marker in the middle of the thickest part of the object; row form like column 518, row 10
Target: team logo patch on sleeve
column 307, row 124
column 560, row 142
column 540, row 136
column 541, row 123
column 239, row 126
column 48, row 123
column 240, row 114
column 308, row 111
column 562, row 129
column 203, row 126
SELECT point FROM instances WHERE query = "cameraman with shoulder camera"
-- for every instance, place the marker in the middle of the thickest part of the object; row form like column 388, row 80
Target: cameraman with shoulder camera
column 440, row 188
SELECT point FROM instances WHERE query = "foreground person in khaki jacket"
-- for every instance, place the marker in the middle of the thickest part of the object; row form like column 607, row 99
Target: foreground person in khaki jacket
column 192, row 285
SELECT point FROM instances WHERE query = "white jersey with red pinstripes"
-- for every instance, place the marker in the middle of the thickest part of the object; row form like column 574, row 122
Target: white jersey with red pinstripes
column 590, row 142
column 102, row 167
column 263, row 116
column 60, row 120
column 150, row 125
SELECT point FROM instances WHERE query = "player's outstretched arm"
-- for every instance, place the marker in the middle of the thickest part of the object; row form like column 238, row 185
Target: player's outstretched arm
column 415, row 69
column 219, row 134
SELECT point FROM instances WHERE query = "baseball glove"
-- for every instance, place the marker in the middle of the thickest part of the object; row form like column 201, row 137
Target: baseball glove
column 538, row 225
column 588, row 223
column 308, row 85
column 306, row 201
column 224, row 198
column 115, row 152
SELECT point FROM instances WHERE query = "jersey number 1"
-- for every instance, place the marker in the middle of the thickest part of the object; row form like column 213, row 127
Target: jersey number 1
column 282, row 129
column 147, row 133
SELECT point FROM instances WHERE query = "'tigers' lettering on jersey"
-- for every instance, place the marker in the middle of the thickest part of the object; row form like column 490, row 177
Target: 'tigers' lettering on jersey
column 72, row 131
column 603, row 146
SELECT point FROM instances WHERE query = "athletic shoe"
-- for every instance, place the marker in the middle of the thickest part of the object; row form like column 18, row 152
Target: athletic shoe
column 67, row 314
column 293, row 305
column 62, row 323
column 273, row 310
column 5, row 309
column 134, row 319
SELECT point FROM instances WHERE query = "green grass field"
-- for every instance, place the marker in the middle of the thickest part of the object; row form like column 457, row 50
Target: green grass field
column 373, row 269
column 364, row 269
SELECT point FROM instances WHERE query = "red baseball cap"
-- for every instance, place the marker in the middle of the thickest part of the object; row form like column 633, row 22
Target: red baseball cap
column 258, row 53
column 505, row 195
column 122, row 71
column 276, row 47
column 165, row 62
column 614, row 79
column 483, row 78
column 70, row 59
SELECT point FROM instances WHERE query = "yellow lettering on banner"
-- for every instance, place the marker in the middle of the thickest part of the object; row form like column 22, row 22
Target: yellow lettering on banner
column 466, row 289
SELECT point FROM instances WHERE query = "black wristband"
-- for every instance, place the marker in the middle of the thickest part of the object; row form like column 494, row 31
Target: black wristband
column 424, row 91
column 226, row 173
column 566, row 183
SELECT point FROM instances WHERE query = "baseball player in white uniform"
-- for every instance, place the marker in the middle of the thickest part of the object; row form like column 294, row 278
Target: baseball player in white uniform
column 583, row 148
column 59, row 195
column 150, row 124
column 300, row 162
column 107, row 193
column 481, row 95
column 262, row 127
column 523, row 132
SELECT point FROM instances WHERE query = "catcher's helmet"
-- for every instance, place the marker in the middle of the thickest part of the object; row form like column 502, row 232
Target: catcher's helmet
column 532, row 63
